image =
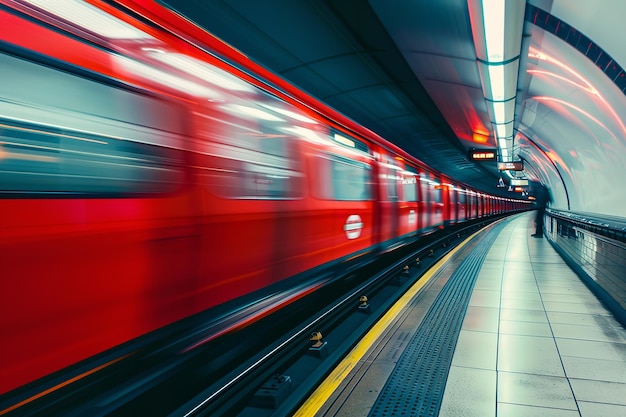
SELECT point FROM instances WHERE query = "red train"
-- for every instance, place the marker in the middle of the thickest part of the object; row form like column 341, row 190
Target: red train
column 149, row 172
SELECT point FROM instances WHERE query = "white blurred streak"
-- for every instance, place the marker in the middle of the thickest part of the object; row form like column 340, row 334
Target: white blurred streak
column 201, row 70
column 88, row 17
column 251, row 112
column 308, row 134
column 289, row 113
column 167, row 79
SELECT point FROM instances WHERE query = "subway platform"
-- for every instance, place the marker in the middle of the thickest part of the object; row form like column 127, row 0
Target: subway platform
column 500, row 327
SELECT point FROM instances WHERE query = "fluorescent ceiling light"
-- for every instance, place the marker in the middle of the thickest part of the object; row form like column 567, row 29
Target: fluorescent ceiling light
column 501, row 112
column 501, row 131
column 496, row 82
column 494, row 18
column 504, row 130
column 89, row 17
column 499, row 81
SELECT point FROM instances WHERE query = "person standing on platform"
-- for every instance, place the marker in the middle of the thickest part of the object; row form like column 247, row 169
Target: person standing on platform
column 542, row 199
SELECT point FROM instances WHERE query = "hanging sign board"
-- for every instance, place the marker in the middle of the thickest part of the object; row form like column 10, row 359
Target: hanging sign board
column 520, row 182
column 511, row 166
column 482, row 155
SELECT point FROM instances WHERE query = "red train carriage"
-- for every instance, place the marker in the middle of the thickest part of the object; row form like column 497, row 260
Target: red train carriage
column 144, row 180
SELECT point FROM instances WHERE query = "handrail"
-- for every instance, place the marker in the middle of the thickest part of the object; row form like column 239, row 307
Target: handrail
column 613, row 227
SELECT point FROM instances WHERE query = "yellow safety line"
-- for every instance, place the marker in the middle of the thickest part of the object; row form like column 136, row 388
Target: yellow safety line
column 330, row 384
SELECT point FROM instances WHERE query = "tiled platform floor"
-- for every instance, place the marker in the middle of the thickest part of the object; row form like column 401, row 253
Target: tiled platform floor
column 535, row 341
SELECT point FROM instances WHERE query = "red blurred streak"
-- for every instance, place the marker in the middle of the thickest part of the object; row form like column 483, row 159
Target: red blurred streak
column 542, row 56
column 578, row 109
column 589, row 89
column 61, row 385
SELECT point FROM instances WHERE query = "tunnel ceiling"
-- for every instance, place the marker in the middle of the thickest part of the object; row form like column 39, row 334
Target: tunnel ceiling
column 407, row 70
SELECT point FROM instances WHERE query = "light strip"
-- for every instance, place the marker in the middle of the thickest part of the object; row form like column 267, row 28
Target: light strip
column 496, row 80
column 499, row 111
column 504, row 130
column 493, row 12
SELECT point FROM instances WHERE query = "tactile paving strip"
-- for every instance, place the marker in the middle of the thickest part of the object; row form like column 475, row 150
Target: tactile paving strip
column 417, row 383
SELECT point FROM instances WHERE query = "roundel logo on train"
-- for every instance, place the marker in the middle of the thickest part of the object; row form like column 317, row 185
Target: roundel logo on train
column 353, row 226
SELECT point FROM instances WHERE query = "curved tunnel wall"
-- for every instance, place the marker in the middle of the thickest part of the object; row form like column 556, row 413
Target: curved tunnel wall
column 572, row 134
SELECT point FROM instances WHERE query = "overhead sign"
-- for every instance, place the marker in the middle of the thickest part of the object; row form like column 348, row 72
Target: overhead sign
column 519, row 182
column 511, row 166
column 482, row 155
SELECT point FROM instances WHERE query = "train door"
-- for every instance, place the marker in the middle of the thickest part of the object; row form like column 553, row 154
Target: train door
column 449, row 204
column 389, row 204
column 343, row 175
column 476, row 204
column 425, row 218
column 462, row 204
column 408, row 199
column 471, row 205
column 253, row 179
column 438, row 207
column 432, row 202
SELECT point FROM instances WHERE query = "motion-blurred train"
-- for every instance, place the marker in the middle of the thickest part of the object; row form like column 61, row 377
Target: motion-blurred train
column 149, row 172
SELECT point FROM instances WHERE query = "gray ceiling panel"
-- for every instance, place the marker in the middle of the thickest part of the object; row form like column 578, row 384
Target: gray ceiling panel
column 407, row 70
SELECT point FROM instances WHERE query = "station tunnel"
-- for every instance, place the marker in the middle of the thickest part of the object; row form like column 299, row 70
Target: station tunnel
column 329, row 208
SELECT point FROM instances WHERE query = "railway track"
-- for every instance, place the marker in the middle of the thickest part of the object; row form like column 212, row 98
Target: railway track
column 281, row 377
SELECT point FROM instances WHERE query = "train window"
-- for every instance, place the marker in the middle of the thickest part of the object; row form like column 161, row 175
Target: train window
column 350, row 180
column 62, row 134
column 349, row 142
column 391, row 175
column 408, row 179
column 342, row 179
column 38, row 159
column 258, row 167
column 437, row 193
column 392, row 187
column 249, row 155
